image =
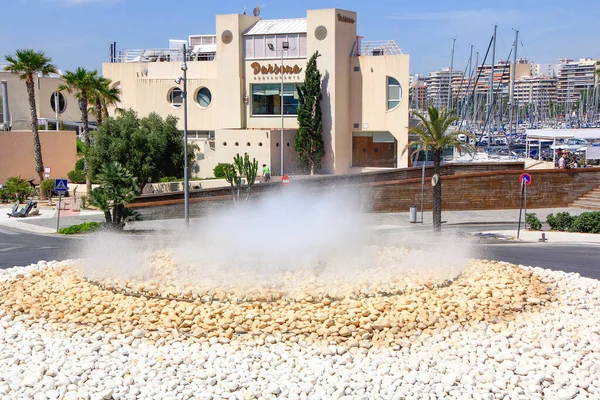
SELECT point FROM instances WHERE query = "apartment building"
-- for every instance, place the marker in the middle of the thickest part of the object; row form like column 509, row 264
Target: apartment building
column 576, row 76
column 538, row 91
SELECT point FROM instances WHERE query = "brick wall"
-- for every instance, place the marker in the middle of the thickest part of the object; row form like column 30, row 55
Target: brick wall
column 486, row 190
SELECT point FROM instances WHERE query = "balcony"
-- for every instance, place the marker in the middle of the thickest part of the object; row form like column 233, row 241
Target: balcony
column 375, row 48
column 161, row 55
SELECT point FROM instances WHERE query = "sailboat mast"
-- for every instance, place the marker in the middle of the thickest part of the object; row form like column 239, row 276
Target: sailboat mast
column 491, row 92
column 449, row 106
column 512, row 85
column 475, row 91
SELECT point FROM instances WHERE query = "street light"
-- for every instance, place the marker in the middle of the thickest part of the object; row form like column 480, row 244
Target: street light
column 186, row 179
column 284, row 46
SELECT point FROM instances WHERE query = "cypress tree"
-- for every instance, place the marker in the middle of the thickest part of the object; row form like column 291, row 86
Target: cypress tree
column 308, row 142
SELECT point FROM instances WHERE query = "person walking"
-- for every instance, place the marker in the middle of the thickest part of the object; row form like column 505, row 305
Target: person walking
column 561, row 162
column 266, row 173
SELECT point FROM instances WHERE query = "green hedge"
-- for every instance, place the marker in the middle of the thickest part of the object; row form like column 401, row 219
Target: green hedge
column 533, row 221
column 587, row 222
column 76, row 176
column 81, row 228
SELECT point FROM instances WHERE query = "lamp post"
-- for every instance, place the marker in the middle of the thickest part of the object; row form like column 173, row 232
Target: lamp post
column 186, row 178
column 284, row 46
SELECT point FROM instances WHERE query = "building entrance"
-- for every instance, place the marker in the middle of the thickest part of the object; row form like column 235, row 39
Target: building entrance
column 374, row 149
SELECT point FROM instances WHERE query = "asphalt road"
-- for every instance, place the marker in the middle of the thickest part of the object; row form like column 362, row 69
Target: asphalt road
column 18, row 248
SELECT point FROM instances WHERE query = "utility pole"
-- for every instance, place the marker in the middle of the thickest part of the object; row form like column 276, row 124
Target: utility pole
column 186, row 178
column 512, row 89
column 449, row 106
column 491, row 92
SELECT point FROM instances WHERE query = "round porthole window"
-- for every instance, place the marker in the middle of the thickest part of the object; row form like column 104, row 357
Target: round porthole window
column 175, row 97
column 224, row 143
column 226, row 37
column 247, row 143
column 203, row 97
column 321, row 32
column 57, row 97
column 237, row 144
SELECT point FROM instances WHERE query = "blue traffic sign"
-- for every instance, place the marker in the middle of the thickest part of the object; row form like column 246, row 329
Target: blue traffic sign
column 60, row 185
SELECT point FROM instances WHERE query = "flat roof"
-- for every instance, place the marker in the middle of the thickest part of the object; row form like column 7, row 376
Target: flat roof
column 589, row 133
column 277, row 26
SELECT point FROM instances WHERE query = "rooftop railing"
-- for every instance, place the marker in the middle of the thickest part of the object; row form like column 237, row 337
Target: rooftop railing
column 376, row 48
column 160, row 55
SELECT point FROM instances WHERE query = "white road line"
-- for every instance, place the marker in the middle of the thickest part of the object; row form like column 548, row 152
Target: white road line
column 8, row 232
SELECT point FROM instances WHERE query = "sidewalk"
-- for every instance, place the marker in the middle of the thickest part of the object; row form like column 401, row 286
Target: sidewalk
column 507, row 220
column 45, row 222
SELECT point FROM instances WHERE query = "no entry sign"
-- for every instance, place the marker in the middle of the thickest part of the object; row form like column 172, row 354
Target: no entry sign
column 285, row 180
column 525, row 179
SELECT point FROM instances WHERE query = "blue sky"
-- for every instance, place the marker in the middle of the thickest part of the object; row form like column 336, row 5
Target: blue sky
column 78, row 32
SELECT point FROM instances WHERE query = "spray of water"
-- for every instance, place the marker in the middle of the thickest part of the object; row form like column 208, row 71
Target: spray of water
column 294, row 244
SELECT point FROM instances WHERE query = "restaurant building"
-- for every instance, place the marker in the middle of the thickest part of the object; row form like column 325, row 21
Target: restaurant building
column 236, row 103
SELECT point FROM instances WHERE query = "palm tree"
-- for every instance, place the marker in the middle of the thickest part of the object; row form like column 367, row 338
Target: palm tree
column 433, row 135
column 27, row 63
column 103, row 96
column 82, row 83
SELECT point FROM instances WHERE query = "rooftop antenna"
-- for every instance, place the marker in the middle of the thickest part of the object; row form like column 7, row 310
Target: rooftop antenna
column 244, row 13
column 256, row 11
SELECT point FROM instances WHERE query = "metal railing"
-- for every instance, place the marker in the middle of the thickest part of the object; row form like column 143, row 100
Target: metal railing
column 376, row 48
column 159, row 55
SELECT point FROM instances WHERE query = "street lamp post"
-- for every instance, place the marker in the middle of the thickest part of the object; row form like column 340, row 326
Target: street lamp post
column 284, row 46
column 186, row 178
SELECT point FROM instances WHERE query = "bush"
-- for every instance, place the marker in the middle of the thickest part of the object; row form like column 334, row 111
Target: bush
column 76, row 176
column 533, row 221
column 80, row 147
column 16, row 188
column 561, row 222
column 80, row 165
column 47, row 184
column 169, row 179
column 81, row 228
column 219, row 170
column 587, row 222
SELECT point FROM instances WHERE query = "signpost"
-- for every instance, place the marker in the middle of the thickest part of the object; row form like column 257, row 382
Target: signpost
column 60, row 186
column 525, row 180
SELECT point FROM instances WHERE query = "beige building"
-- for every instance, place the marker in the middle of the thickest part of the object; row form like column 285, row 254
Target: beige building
column 236, row 104
column 46, row 100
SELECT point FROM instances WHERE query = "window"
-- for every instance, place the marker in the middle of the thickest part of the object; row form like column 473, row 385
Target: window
column 257, row 46
column 394, row 93
column 176, row 97
column 62, row 103
column 266, row 99
column 203, row 97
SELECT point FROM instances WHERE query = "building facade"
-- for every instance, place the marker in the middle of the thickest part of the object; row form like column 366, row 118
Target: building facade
column 576, row 76
column 243, row 97
column 47, row 101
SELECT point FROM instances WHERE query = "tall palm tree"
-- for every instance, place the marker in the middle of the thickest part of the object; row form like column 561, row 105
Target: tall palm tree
column 82, row 83
column 26, row 63
column 103, row 96
column 433, row 135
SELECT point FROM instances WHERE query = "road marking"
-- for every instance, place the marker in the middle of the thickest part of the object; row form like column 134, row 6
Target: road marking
column 11, row 248
column 8, row 232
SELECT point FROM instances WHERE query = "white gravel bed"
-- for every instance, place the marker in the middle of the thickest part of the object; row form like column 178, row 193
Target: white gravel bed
column 553, row 353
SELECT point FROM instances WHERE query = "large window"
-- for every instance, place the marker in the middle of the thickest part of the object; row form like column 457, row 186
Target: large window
column 62, row 104
column 257, row 46
column 394, row 93
column 266, row 99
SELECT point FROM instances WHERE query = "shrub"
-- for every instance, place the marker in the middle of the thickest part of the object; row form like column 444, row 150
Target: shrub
column 80, row 147
column 561, row 222
column 48, row 184
column 16, row 188
column 533, row 221
column 84, row 200
column 76, row 176
column 587, row 222
column 219, row 170
column 80, row 165
column 81, row 228
column 169, row 179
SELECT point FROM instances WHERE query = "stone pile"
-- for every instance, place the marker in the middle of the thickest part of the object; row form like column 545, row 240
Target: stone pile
column 497, row 331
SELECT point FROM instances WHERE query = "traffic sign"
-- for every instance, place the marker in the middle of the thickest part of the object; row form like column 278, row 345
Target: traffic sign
column 285, row 180
column 60, row 185
column 525, row 178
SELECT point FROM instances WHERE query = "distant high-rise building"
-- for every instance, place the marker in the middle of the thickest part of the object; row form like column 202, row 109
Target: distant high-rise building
column 576, row 76
column 439, row 87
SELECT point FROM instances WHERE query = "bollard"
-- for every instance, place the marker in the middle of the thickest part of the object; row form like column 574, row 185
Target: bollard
column 543, row 238
column 412, row 215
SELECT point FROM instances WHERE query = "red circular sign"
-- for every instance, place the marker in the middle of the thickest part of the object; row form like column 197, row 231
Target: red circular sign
column 525, row 178
column 285, row 179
